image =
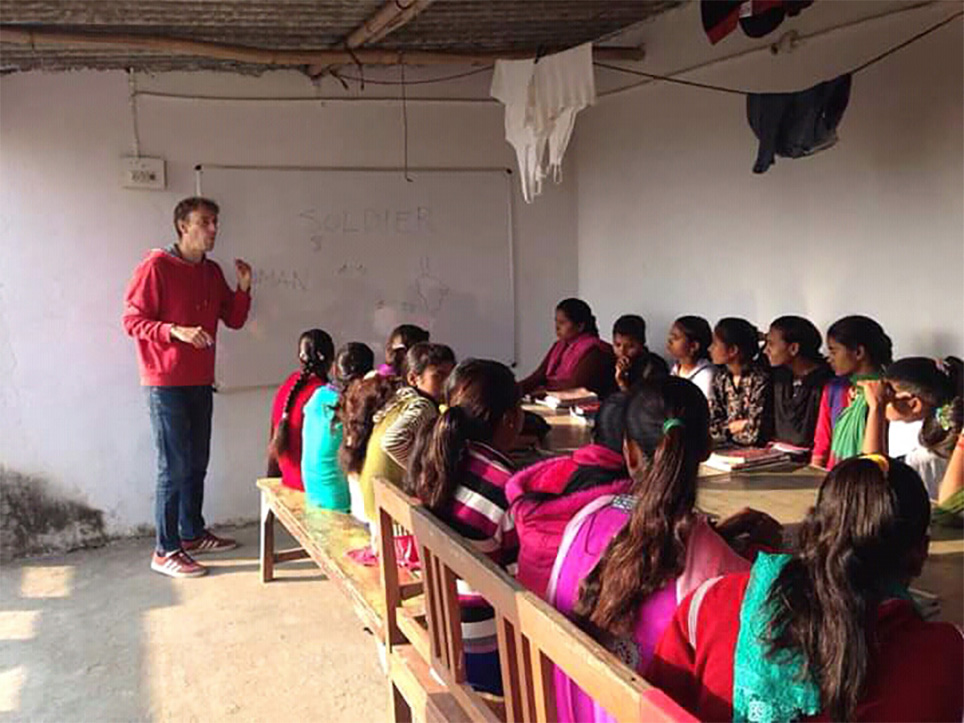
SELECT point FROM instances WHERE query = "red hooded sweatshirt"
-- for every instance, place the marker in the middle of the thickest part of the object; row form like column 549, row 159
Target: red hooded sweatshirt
column 166, row 291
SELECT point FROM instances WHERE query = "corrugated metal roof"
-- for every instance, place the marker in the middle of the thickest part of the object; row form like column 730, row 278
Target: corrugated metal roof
column 446, row 25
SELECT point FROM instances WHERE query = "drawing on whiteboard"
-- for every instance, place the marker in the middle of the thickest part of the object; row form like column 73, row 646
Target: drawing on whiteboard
column 352, row 270
column 430, row 289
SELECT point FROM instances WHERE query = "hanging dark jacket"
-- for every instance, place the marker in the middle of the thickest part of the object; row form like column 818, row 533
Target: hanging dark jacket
column 797, row 124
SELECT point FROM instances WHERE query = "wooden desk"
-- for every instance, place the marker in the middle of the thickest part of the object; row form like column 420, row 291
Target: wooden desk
column 787, row 496
column 566, row 434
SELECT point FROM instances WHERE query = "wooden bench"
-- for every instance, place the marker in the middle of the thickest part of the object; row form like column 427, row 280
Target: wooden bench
column 325, row 537
column 426, row 667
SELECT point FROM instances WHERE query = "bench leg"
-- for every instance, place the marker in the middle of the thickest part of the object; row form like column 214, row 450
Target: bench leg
column 267, row 540
column 399, row 707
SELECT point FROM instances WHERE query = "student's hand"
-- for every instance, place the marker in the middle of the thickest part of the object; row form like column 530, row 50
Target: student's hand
column 752, row 526
column 193, row 335
column 737, row 426
column 622, row 372
column 244, row 274
column 877, row 393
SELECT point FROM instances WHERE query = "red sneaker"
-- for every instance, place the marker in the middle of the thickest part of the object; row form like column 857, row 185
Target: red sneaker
column 177, row 564
column 208, row 542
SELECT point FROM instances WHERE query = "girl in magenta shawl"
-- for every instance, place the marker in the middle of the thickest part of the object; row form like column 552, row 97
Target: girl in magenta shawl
column 578, row 359
column 626, row 561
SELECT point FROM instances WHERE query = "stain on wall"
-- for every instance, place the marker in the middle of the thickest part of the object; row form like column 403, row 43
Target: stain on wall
column 35, row 518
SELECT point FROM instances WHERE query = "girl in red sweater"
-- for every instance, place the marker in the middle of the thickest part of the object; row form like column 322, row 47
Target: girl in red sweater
column 316, row 351
column 831, row 632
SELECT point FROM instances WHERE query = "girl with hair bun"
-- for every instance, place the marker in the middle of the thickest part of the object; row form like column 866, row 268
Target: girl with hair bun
column 316, row 352
column 741, row 397
column 918, row 389
column 579, row 358
column 799, row 375
column 859, row 350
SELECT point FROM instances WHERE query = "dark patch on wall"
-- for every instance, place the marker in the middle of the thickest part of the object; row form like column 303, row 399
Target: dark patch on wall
column 35, row 519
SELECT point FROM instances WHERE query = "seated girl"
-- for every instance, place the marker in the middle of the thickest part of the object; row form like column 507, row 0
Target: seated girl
column 545, row 496
column 830, row 632
column 634, row 360
column 402, row 338
column 950, row 495
column 459, row 471
column 688, row 344
column 859, row 350
column 578, row 359
column 395, row 425
column 315, row 352
column 626, row 561
column 741, row 398
column 799, row 375
column 362, row 399
column 918, row 389
column 325, row 483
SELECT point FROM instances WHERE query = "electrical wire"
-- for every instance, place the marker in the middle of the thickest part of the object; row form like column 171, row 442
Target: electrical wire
column 724, row 89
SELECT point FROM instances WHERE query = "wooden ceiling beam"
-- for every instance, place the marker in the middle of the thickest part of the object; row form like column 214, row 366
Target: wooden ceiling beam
column 19, row 35
column 387, row 19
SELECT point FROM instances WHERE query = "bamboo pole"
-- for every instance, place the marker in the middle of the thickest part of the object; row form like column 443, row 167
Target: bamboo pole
column 387, row 19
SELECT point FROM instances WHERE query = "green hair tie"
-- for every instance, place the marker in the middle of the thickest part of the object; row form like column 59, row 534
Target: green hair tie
column 672, row 422
column 945, row 416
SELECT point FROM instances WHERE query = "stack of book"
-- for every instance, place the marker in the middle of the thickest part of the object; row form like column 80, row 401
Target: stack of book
column 735, row 460
column 584, row 413
column 568, row 398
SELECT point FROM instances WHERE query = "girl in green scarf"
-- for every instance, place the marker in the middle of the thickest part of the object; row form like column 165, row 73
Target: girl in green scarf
column 858, row 349
column 829, row 631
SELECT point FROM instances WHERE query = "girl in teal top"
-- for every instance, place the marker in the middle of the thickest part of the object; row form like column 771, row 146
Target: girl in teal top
column 325, row 484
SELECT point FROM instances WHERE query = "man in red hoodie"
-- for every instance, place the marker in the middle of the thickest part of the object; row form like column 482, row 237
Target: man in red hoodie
column 172, row 307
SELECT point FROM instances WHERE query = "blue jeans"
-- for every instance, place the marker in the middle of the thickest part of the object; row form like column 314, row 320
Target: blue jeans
column 181, row 420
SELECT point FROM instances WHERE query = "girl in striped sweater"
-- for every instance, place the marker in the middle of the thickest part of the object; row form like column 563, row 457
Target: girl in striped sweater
column 459, row 470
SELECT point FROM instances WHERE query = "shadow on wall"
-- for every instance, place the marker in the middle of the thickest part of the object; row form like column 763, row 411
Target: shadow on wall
column 35, row 519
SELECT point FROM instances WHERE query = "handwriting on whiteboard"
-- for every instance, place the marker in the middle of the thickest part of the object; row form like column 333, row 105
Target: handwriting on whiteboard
column 367, row 222
column 278, row 279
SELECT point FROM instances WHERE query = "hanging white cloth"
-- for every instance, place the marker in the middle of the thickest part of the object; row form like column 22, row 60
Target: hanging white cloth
column 541, row 102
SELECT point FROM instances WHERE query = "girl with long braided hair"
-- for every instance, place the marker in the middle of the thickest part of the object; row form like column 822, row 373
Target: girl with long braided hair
column 316, row 351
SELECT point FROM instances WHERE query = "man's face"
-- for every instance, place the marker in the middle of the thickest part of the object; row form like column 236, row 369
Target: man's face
column 199, row 230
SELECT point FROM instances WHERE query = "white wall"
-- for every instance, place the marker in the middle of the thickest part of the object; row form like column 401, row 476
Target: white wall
column 70, row 408
column 672, row 221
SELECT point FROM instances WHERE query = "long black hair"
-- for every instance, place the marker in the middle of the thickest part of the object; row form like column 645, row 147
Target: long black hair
column 939, row 383
column 609, row 431
column 360, row 402
column 856, row 331
column 802, row 332
column 697, row 330
column 871, row 516
column 668, row 419
column 479, row 394
column 315, row 352
column 353, row 361
column 734, row 331
column 578, row 312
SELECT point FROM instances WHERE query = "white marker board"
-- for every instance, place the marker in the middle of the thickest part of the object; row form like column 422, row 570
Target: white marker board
column 355, row 253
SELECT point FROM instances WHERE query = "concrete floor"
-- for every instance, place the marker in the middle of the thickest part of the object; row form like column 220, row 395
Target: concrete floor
column 96, row 636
